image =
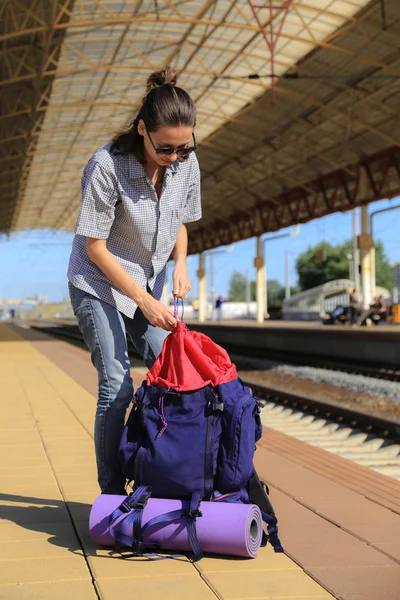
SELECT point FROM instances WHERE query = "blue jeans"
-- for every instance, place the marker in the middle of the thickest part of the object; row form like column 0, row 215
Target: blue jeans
column 104, row 330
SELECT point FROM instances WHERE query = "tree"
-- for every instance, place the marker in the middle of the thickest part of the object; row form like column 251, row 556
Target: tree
column 324, row 262
column 237, row 287
column 384, row 272
column 275, row 291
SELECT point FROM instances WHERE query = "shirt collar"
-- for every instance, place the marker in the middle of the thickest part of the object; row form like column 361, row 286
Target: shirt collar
column 136, row 170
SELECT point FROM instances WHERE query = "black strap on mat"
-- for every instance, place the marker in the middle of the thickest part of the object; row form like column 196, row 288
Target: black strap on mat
column 258, row 494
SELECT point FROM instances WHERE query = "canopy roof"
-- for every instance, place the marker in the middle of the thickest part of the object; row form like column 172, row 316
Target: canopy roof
column 326, row 139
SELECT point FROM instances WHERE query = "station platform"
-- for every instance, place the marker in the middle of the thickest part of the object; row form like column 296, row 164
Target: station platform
column 339, row 522
column 376, row 346
column 281, row 324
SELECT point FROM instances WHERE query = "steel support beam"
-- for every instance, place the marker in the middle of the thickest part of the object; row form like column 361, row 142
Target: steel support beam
column 337, row 191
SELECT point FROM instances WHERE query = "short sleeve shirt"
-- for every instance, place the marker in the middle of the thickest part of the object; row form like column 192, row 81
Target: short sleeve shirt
column 120, row 205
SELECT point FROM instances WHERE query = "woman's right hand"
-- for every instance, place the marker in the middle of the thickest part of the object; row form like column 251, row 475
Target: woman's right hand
column 157, row 313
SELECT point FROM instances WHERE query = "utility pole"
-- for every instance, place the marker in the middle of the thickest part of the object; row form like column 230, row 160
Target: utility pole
column 287, row 276
column 271, row 239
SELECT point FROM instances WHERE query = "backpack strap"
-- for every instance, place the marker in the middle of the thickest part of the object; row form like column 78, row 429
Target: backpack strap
column 272, row 527
column 213, row 406
column 133, row 507
column 258, row 494
column 191, row 514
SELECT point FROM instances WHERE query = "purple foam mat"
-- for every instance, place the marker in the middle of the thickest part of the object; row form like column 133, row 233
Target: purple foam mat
column 224, row 528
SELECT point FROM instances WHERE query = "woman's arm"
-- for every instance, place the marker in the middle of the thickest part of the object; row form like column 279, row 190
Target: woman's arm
column 155, row 312
column 180, row 277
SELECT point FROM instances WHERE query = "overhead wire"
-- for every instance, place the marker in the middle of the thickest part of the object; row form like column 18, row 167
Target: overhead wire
column 295, row 76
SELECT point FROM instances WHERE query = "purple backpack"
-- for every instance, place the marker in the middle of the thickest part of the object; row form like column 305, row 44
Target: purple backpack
column 193, row 446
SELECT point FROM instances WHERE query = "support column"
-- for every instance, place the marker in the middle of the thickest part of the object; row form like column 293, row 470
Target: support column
column 373, row 269
column 261, row 281
column 365, row 246
column 356, row 254
column 201, row 274
column 212, row 285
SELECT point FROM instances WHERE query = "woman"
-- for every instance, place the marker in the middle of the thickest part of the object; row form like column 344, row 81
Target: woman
column 137, row 193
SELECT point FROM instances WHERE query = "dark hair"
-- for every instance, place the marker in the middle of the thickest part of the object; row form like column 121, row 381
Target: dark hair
column 164, row 105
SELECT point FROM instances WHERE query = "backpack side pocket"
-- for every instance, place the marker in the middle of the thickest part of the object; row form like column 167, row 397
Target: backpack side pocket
column 241, row 429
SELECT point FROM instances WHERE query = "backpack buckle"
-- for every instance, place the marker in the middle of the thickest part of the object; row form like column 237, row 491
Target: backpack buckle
column 125, row 507
column 193, row 514
column 260, row 403
column 214, row 404
column 139, row 504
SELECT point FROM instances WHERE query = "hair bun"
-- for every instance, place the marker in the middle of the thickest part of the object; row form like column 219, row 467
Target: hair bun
column 159, row 78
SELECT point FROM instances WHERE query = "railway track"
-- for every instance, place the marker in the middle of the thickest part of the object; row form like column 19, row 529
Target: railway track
column 324, row 362
column 361, row 437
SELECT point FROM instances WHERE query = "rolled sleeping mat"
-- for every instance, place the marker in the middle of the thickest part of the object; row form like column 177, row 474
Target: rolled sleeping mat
column 223, row 528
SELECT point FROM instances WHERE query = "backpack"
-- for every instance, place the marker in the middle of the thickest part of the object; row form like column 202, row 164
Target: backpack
column 191, row 435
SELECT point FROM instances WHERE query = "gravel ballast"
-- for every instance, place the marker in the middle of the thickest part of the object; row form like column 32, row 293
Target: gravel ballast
column 368, row 394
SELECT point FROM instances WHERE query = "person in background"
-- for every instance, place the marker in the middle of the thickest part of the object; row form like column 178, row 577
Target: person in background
column 137, row 193
column 218, row 306
column 196, row 306
column 355, row 306
column 379, row 310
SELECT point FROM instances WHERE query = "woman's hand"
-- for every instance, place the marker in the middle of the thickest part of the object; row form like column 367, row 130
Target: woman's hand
column 157, row 313
column 180, row 280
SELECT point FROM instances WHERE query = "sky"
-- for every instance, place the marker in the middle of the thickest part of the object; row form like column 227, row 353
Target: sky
column 36, row 262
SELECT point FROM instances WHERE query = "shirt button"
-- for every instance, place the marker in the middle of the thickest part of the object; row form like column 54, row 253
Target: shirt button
column 155, row 257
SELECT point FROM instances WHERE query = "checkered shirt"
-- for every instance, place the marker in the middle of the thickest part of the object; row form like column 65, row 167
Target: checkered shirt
column 120, row 205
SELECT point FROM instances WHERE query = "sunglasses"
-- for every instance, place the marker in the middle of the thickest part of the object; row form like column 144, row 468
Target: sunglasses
column 181, row 152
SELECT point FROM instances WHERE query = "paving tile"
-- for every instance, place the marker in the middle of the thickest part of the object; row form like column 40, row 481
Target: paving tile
column 26, row 513
column 356, row 511
column 76, row 454
column 80, row 511
column 53, row 532
column 109, row 563
column 62, row 590
column 77, row 436
column 173, row 587
column 51, row 496
column 27, row 436
column 24, row 488
column 21, row 476
column 380, row 530
column 68, row 444
column 391, row 548
column 65, row 460
column 21, row 422
column 85, row 486
column 266, row 560
column 36, row 458
column 269, row 584
column 40, row 569
column 330, row 545
column 54, row 546
column 324, row 597
column 361, row 583
column 81, row 497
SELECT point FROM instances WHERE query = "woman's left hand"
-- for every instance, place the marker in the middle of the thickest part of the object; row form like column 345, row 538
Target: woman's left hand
column 180, row 281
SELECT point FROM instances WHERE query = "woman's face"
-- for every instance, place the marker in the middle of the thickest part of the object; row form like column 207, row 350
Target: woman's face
column 165, row 137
